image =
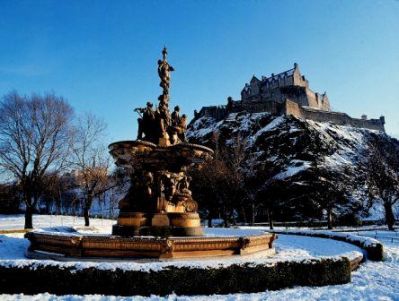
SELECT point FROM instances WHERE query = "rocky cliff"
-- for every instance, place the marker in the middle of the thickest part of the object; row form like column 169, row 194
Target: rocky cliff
column 298, row 153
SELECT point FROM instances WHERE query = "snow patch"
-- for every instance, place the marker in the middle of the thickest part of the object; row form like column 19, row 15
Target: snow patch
column 293, row 170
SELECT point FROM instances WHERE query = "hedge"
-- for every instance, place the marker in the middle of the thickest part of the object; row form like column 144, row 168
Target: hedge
column 179, row 280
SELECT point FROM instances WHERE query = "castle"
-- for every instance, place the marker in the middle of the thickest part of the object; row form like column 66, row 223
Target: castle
column 287, row 93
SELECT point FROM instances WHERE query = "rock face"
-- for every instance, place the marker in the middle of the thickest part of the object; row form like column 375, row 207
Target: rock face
column 295, row 151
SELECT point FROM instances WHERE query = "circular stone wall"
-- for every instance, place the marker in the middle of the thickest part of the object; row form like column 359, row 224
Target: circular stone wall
column 70, row 243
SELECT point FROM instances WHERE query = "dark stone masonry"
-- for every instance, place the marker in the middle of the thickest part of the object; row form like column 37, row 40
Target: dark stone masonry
column 287, row 93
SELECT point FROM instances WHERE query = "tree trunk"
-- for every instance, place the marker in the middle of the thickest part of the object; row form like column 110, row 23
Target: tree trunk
column 269, row 217
column 209, row 219
column 389, row 217
column 224, row 216
column 225, row 223
column 86, row 216
column 329, row 219
column 225, row 219
column 87, row 206
column 252, row 214
column 86, row 210
column 47, row 207
column 28, row 217
column 59, row 202
column 244, row 215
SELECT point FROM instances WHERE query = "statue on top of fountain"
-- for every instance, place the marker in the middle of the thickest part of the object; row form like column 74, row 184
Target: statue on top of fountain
column 159, row 126
column 164, row 70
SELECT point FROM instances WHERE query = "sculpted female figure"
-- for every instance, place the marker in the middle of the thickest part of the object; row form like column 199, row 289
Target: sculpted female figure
column 164, row 70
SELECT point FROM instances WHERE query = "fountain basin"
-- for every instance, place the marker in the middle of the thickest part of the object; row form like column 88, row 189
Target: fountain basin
column 73, row 244
column 150, row 156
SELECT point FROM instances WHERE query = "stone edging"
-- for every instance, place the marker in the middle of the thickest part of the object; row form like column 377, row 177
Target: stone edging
column 374, row 249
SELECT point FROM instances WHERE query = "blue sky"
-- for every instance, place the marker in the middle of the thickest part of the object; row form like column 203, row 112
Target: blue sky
column 101, row 55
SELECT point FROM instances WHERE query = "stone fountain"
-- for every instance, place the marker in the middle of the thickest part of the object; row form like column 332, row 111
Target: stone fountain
column 158, row 216
column 159, row 201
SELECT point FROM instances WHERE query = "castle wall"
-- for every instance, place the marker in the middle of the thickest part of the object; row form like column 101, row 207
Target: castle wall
column 272, row 95
column 325, row 105
column 311, row 99
column 301, row 97
column 292, row 108
column 220, row 112
column 296, row 94
column 255, row 107
column 216, row 112
column 299, row 80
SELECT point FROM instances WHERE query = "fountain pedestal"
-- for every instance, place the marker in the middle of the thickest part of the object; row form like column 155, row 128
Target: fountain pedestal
column 158, row 224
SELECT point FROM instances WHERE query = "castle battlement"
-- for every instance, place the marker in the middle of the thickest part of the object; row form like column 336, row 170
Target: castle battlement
column 287, row 93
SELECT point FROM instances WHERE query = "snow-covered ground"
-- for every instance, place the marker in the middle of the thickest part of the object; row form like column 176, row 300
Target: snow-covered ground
column 16, row 221
column 372, row 281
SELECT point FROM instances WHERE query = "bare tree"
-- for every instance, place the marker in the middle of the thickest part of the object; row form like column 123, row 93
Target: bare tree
column 272, row 195
column 219, row 185
column 322, row 190
column 51, row 195
column 215, row 188
column 90, row 160
column 383, row 177
column 57, row 191
column 34, row 137
column 331, row 192
column 9, row 198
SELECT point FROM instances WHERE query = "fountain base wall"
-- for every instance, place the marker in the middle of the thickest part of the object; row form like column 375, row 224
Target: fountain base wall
column 112, row 246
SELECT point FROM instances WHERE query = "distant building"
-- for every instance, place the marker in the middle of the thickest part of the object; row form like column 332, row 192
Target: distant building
column 287, row 93
column 285, row 85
